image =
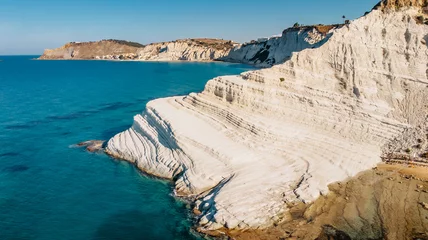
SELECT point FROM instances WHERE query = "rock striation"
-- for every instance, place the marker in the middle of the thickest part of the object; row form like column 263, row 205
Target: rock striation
column 179, row 50
column 249, row 144
column 187, row 50
column 266, row 52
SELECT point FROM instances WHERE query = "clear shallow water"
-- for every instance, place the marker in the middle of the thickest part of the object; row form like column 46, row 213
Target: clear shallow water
column 51, row 191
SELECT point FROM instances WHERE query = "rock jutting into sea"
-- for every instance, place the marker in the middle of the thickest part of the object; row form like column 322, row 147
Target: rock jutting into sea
column 264, row 52
column 203, row 49
column 250, row 147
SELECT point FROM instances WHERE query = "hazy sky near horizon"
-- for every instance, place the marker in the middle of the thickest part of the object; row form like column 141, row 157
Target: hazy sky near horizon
column 30, row 26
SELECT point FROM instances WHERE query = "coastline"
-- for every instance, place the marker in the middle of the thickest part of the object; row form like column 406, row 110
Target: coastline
column 236, row 112
column 140, row 60
column 255, row 66
column 310, row 132
column 341, row 195
column 360, row 207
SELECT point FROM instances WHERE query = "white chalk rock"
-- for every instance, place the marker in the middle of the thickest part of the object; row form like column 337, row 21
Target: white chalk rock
column 249, row 143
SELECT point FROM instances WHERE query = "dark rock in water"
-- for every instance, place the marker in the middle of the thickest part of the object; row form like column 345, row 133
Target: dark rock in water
column 92, row 145
column 16, row 168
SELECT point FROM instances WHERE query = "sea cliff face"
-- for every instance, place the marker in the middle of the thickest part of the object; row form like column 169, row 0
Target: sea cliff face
column 187, row 50
column 249, row 145
column 262, row 53
column 275, row 50
column 89, row 50
column 179, row 50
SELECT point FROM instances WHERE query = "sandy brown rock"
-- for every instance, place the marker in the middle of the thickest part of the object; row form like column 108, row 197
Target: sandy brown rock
column 398, row 4
column 389, row 202
column 88, row 50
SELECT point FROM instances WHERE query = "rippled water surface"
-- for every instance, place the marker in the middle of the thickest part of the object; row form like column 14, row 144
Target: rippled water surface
column 49, row 190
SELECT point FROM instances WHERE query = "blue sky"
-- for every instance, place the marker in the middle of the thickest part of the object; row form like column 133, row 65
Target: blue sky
column 30, row 26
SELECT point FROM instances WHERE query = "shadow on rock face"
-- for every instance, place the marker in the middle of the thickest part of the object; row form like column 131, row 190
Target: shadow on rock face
column 420, row 236
column 331, row 233
column 426, row 40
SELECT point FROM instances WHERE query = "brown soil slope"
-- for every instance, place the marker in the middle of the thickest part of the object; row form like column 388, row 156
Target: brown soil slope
column 88, row 50
column 390, row 202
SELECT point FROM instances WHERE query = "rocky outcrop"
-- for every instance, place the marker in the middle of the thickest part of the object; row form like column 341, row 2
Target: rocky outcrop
column 92, row 145
column 89, row 50
column 275, row 50
column 187, row 50
column 398, row 4
column 388, row 202
column 249, row 144
column 262, row 53
column 179, row 50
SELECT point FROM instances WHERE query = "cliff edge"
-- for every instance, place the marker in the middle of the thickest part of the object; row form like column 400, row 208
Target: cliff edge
column 248, row 146
column 187, row 50
column 266, row 52
column 89, row 50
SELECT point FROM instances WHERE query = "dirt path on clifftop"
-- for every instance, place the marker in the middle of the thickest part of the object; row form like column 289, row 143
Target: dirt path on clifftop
column 389, row 202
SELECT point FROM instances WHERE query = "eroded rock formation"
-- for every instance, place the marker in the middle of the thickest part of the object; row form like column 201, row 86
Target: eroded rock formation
column 89, row 50
column 248, row 144
column 276, row 50
column 398, row 4
column 262, row 53
column 187, row 50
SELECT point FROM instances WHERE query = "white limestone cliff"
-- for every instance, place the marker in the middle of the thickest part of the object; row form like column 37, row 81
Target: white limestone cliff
column 186, row 50
column 248, row 144
column 202, row 49
column 269, row 51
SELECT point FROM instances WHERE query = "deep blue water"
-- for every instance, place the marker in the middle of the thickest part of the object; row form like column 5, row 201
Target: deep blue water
column 49, row 190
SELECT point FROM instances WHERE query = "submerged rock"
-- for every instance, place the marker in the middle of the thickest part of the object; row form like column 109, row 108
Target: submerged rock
column 93, row 145
column 16, row 168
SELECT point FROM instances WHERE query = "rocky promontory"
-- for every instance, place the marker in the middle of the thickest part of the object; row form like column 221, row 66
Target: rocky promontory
column 265, row 148
column 90, row 50
column 202, row 49
column 263, row 52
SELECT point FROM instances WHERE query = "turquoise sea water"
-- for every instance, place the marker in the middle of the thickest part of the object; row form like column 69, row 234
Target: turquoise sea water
column 49, row 190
